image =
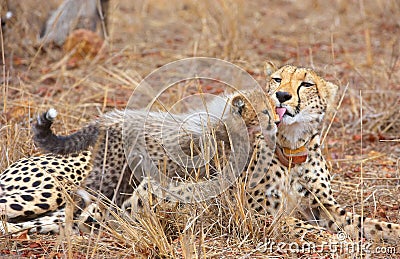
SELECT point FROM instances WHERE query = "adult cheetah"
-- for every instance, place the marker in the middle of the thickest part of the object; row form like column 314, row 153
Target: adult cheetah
column 297, row 180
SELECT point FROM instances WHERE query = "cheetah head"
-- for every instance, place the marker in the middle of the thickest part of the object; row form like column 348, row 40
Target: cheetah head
column 299, row 94
column 301, row 99
column 256, row 110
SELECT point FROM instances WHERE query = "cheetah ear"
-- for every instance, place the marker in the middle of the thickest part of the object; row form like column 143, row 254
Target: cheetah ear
column 238, row 104
column 330, row 92
column 269, row 68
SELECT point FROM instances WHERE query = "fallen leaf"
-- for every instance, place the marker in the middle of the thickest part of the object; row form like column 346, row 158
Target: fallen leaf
column 23, row 235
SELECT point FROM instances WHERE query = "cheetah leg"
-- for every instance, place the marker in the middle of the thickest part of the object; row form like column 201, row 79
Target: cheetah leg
column 53, row 221
column 91, row 217
column 145, row 195
column 305, row 231
column 49, row 223
column 91, row 211
column 338, row 219
column 332, row 216
column 141, row 199
column 8, row 228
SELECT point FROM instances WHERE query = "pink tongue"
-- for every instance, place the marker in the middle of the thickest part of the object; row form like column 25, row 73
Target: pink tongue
column 280, row 111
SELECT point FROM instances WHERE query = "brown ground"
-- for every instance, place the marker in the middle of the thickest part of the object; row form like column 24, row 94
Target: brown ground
column 354, row 44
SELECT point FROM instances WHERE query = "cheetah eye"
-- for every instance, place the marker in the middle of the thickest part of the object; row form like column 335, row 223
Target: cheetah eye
column 307, row 84
column 265, row 111
column 277, row 79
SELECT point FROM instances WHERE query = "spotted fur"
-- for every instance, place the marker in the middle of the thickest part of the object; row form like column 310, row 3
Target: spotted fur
column 35, row 189
column 101, row 166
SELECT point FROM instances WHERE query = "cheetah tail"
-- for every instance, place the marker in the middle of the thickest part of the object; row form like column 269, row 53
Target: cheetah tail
column 48, row 141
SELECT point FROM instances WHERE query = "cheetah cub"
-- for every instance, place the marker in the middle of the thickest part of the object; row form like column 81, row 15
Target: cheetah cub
column 176, row 146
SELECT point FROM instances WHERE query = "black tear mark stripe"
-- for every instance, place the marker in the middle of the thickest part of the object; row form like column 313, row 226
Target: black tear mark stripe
column 298, row 100
column 298, row 95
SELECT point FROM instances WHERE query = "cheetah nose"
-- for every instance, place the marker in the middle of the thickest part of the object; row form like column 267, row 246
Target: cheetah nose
column 283, row 96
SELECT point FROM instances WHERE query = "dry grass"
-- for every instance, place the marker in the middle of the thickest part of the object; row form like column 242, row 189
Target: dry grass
column 351, row 43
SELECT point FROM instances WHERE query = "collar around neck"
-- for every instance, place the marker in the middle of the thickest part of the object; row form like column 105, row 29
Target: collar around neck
column 291, row 157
